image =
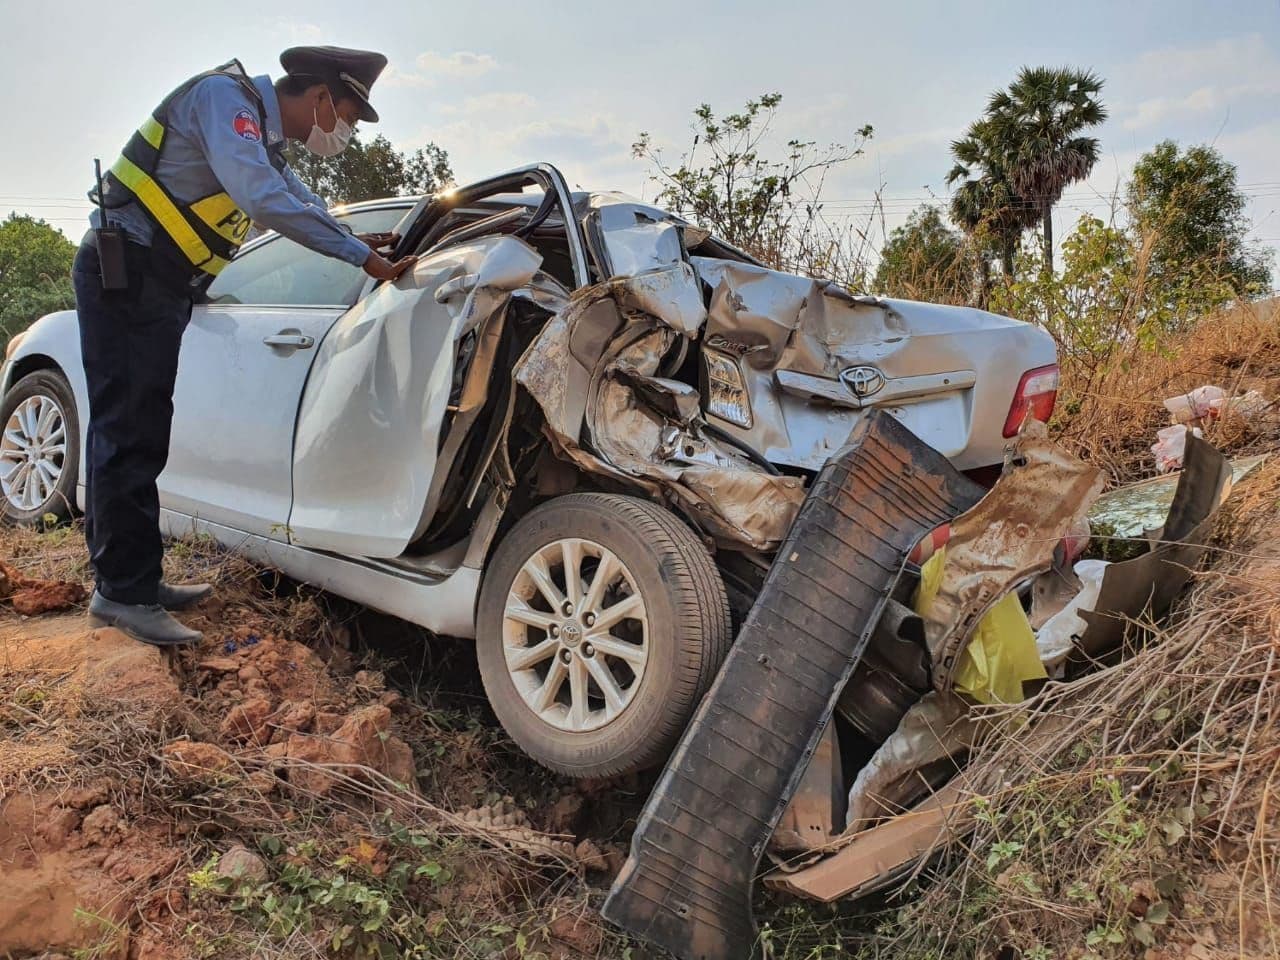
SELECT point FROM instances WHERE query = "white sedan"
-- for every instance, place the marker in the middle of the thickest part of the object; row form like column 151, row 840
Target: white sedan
column 576, row 432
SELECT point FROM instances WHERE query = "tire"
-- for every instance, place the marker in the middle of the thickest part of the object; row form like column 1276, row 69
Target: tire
column 673, row 644
column 37, row 404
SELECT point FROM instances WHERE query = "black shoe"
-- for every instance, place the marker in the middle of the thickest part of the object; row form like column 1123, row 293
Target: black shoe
column 182, row 595
column 149, row 623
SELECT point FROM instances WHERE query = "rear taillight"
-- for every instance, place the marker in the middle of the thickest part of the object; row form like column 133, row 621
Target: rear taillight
column 1036, row 394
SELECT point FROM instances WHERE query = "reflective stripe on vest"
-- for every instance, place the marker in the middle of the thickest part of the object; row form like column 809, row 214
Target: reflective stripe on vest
column 166, row 213
column 208, row 231
column 223, row 217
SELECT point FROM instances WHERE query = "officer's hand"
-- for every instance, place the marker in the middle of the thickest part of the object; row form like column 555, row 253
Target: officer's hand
column 380, row 268
column 379, row 241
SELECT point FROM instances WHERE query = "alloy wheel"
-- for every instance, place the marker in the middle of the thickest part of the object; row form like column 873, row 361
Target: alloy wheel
column 33, row 451
column 575, row 635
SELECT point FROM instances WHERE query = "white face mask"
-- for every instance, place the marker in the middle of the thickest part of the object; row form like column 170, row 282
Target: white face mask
column 328, row 143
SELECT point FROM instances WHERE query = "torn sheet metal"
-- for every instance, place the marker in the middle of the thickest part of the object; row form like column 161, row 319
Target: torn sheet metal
column 671, row 294
column 729, row 494
column 637, row 237
column 1005, row 539
column 816, row 812
column 556, row 375
column 670, row 399
column 687, row 884
column 886, row 853
column 756, row 308
column 594, row 370
column 918, row 755
column 1151, row 582
column 1133, row 510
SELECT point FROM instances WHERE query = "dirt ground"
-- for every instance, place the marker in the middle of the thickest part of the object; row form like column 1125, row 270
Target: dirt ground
column 125, row 770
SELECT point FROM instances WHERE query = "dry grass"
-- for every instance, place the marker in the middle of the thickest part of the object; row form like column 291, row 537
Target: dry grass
column 1109, row 414
column 1136, row 808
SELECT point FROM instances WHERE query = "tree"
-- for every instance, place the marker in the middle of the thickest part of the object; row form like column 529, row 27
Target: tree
column 924, row 260
column 1037, row 126
column 985, row 205
column 769, row 205
column 35, row 272
column 1097, row 303
column 370, row 171
column 1187, row 207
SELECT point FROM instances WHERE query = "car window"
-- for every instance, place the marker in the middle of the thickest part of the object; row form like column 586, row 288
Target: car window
column 281, row 272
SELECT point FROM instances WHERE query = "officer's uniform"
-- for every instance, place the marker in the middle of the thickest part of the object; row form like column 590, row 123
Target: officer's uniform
column 184, row 192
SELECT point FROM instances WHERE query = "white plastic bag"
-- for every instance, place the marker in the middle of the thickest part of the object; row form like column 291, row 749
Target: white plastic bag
column 1194, row 404
column 1058, row 634
column 1171, row 445
column 1248, row 405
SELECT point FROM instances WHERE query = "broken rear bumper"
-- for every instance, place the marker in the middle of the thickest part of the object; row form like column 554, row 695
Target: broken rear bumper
column 687, row 884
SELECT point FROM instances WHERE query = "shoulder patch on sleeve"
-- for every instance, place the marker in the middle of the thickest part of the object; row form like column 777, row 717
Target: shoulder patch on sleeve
column 245, row 125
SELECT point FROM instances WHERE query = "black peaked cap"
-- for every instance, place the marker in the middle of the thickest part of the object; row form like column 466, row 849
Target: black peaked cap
column 352, row 71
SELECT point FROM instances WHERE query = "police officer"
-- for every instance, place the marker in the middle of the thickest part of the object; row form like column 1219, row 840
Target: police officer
column 174, row 209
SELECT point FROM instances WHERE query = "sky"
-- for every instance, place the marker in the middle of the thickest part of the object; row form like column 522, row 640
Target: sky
column 500, row 84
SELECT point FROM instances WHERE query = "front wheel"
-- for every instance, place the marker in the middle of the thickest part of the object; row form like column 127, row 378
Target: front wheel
column 602, row 622
column 39, row 449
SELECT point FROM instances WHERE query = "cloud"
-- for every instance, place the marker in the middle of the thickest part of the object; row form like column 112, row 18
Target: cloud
column 298, row 34
column 1238, row 70
column 393, row 76
column 494, row 104
column 940, row 137
column 460, row 63
column 1228, row 58
column 432, row 65
column 1201, row 100
column 502, row 129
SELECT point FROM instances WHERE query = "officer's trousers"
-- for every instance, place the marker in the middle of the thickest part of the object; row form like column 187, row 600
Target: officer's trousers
column 129, row 342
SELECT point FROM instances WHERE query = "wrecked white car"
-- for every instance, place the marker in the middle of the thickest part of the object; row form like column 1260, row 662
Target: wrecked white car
column 577, row 432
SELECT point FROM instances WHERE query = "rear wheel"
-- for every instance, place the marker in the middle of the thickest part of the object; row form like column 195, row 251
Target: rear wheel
column 39, row 449
column 602, row 622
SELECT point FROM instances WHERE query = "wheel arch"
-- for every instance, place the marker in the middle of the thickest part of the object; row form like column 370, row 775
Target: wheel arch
column 32, row 363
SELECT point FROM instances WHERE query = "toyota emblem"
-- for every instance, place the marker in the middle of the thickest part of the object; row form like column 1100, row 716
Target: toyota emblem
column 863, row 381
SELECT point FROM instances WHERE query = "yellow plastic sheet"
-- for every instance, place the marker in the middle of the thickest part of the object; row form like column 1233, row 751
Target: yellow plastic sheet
column 1002, row 652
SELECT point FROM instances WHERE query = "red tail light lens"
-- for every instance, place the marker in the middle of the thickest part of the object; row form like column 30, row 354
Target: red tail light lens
column 1036, row 394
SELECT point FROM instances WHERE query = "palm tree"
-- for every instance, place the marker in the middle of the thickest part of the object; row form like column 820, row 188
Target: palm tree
column 1036, row 126
column 985, row 205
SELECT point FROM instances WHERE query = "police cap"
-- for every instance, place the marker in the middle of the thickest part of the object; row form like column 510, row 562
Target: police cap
column 351, row 71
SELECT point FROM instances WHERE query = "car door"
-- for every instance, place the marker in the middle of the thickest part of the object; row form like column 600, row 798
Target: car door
column 370, row 423
column 369, row 426
column 245, row 358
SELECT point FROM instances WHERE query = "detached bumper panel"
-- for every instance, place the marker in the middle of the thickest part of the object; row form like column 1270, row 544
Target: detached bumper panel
column 687, row 884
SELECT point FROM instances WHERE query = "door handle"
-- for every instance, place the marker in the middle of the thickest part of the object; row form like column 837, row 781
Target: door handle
column 285, row 338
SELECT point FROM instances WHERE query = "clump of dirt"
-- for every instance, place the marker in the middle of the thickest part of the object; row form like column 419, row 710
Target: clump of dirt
column 31, row 597
column 196, row 764
column 320, row 763
column 251, row 662
column 71, row 878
